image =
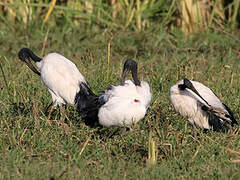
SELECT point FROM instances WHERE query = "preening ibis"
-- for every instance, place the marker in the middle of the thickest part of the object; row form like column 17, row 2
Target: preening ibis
column 199, row 103
column 120, row 105
column 60, row 75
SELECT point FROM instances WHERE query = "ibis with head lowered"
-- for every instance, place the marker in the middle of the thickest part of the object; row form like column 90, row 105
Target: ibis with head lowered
column 120, row 105
column 200, row 104
column 59, row 74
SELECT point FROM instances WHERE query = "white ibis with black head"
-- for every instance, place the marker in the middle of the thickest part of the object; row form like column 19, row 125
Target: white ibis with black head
column 60, row 75
column 120, row 105
column 199, row 103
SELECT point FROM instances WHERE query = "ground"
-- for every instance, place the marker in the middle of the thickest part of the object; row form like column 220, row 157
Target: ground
column 36, row 146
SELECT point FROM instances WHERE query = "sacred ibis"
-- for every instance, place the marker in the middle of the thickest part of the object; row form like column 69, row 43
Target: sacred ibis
column 120, row 105
column 60, row 75
column 199, row 103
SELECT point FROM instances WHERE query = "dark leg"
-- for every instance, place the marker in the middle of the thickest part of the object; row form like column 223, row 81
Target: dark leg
column 195, row 131
column 46, row 109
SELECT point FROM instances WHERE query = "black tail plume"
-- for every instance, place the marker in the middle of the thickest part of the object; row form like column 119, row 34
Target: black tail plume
column 234, row 121
column 88, row 104
column 218, row 120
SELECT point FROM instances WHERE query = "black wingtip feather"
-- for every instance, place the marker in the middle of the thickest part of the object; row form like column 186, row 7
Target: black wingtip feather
column 216, row 122
column 234, row 121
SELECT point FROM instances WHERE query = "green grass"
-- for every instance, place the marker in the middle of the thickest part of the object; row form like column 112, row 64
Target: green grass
column 34, row 146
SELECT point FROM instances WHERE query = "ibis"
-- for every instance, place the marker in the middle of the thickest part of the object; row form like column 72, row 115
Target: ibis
column 58, row 74
column 121, row 105
column 200, row 104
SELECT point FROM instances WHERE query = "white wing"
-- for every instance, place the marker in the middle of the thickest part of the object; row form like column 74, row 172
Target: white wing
column 125, row 104
column 61, row 76
column 207, row 94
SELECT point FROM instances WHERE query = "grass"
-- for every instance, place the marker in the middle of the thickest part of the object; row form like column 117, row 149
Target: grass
column 34, row 146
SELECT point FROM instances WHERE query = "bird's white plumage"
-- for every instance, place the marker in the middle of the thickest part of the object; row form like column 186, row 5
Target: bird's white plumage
column 62, row 78
column 187, row 103
column 124, row 105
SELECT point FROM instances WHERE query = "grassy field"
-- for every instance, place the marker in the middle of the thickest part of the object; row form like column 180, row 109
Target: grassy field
column 35, row 146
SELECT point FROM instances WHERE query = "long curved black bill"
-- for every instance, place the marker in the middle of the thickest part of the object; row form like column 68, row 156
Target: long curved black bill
column 188, row 84
column 123, row 78
column 30, row 65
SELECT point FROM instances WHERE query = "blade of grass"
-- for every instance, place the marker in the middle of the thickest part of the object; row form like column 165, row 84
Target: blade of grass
column 235, row 12
column 49, row 11
column 5, row 80
column 84, row 146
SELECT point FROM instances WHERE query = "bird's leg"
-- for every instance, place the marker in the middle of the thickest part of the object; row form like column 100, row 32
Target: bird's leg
column 66, row 114
column 49, row 115
column 67, row 111
column 134, row 126
column 123, row 130
column 50, row 112
column 46, row 110
column 52, row 106
column 194, row 131
column 63, row 116
column 62, row 112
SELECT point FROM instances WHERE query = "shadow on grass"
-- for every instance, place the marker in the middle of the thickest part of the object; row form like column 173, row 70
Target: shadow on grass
column 20, row 108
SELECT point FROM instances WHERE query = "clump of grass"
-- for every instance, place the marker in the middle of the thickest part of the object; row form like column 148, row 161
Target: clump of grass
column 116, row 15
column 152, row 155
